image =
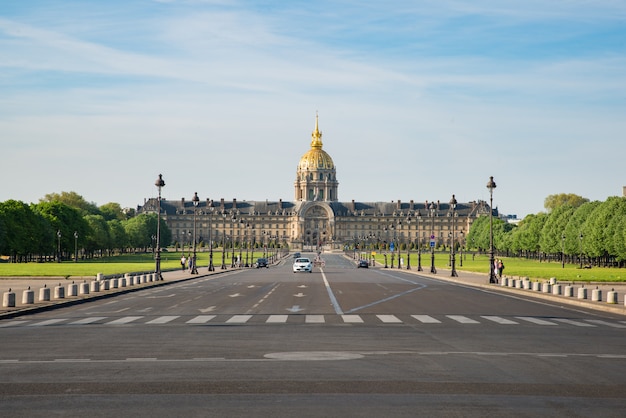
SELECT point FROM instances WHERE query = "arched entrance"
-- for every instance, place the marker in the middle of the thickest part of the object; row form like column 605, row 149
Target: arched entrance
column 317, row 222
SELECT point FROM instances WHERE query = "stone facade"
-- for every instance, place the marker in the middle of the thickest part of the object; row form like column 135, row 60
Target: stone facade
column 316, row 219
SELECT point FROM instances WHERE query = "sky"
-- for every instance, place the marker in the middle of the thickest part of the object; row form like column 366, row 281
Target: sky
column 417, row 99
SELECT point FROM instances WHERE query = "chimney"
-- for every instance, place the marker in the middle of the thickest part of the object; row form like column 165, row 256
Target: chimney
column 280, row 203
column 412, row 205
column 222, row 206
column 352, row 206
column 234, row 203
column 399, row 205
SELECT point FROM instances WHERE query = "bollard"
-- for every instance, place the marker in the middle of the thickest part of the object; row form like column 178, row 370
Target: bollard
column 72, row 290
column 59, row 292
column 8, row 299
column 582, row 293
column 105, row 285
column 546, row 287
column 123, row 282
column 94, row 286
column 114, row 283
column 504, row 282
column 569, row 291
column 536, row 286
column 44, row 294
column 83, row 288
column 556, row 290
column 519, row 284
column 28, row 297
column 527, row 284
column 596, row 295
column 552, row 280
column 611, row 297
column 99, row 276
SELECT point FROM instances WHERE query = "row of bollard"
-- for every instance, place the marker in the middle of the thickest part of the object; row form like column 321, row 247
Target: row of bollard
column 76, row 289
column 555, row 288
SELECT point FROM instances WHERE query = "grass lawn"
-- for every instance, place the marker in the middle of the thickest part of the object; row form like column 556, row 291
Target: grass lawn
column 127, row 263
column 516, row 267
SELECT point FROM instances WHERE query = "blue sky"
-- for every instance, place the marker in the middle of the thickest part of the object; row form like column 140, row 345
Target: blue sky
column 417, row 100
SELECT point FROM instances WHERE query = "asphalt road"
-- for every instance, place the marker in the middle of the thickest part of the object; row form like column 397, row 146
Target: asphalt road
column 340, row 341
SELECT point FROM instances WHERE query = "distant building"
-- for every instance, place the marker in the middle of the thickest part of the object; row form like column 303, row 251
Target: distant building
column 316, row 219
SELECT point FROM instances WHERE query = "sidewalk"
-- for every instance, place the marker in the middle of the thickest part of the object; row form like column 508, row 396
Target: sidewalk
column 19, row 285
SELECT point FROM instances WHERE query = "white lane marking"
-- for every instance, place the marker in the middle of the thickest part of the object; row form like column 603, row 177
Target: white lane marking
column 277, row 319
column 331, row 295
column 500, row 320
column 239, row 319
column 314, row 319
column 163, row 319
column 389, row 319
column 571, row 322
column 535, row 320
column 462, row 319
column 608, row 324
column 201, row 319
column 124, row 320
column 89, row 320
column 47, row 322
column 352, row 319
column 426, row 319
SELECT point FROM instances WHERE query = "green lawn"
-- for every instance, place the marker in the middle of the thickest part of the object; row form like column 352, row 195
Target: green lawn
column 128, row 263
column 515, row 267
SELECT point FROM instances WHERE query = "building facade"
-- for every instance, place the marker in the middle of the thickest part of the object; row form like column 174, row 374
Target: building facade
column 316, row 219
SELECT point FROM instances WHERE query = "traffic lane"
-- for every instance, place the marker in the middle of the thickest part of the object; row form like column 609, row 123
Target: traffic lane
column 282, row 354
column 397, row 292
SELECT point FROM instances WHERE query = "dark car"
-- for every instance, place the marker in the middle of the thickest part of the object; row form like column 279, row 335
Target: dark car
column 261, row 262
column 362, row 263
column 296, row 255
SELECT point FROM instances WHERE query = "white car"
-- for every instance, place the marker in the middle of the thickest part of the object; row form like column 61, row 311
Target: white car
column 302, row 264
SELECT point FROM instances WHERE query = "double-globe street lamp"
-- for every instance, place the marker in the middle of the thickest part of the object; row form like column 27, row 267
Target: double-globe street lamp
column 76, row 246
column 418, row 217
column 492, row 276
column 157, row 258
column 433, row 212
column 452, row 240
column 211, row 266
column 196, row 202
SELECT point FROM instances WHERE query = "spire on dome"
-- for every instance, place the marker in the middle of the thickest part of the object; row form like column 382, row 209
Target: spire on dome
column 316, row 136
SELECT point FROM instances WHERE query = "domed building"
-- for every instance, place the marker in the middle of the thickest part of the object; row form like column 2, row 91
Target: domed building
column 316, row 220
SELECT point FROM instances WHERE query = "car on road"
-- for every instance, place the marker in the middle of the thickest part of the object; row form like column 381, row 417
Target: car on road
column 262, row 262
column 302, row 264
column 362, row 264
column 297, row 255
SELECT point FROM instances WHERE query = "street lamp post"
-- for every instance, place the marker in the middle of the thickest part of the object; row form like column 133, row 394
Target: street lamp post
column 452, row 241
column 461, row 248
column 157, row 258
column 492, row 276
column 408, row 244
column 58, row 246
column 196, row 202
column 224, row 242
column 432, row 238
column 232, row 241
column 563, row 251
column 76, row 246
column 418, row 217
column 580, row 247
column 211, row 266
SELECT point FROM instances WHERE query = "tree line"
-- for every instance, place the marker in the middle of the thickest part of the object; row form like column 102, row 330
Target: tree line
column 61, row 225
column 573, row 230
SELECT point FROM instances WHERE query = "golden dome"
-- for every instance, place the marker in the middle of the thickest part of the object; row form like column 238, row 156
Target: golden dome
column 316, row 158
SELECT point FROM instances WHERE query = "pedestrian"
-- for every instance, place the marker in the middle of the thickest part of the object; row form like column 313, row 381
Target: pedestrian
column 500, row 268
column 183, row 262
column 496, row 263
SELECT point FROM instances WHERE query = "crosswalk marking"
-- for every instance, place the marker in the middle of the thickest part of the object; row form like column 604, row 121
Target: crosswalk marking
column 239, row 319
column 535, row 320
column 609, row 324
column 576, row 323
column 389, row 319
column 315, row 319
column 277, row 319
column 124, row 320
column 89, row 320
column 462, row 319
column 426, row 319
column 46, row 322
column 13, row 323
column 499, row 320
column 162, row 320
column 352, row 319
column 201, row 319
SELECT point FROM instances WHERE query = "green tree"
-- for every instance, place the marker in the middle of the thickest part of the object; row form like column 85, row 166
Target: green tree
column 119, row 239
column 65, row 219
column 553, row 231
column 98, row 238
column 73, row 200
column 142, row 228
column 557, row 200
column 112, row 211
column 26, row 232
